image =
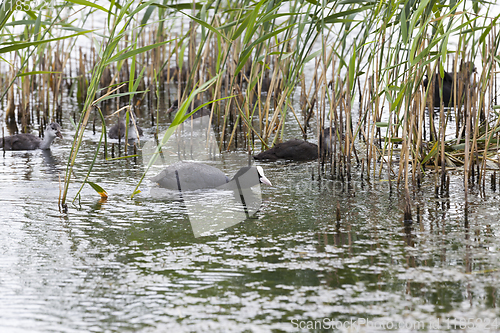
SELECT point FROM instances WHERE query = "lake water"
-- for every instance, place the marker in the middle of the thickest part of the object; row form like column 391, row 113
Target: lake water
column 135, row 264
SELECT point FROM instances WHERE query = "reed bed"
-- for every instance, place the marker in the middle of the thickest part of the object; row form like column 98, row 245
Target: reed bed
column 357, row 70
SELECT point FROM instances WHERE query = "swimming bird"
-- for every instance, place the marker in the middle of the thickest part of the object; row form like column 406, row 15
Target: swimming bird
column 118, row 129
column 27, row 141
column 189, row 176
column 299, row 150
column 294, row 149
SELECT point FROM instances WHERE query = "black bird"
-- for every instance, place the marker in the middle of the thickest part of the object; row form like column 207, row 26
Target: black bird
column 294, row 149
column 118, row 129
column 299, row 150
column 200, row 113
column 26, row 141
column 462, row 79
column 189, row 176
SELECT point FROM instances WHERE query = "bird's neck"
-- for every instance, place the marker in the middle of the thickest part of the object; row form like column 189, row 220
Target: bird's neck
column 46, row 142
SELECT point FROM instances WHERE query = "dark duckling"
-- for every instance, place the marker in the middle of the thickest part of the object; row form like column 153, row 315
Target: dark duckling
column 294, row 149
column 328, row 137
column 26, row 141
column 118, row 129
column 299, row 150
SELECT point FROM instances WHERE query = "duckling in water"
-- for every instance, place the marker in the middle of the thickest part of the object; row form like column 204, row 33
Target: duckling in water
column 118, row 129
column 27, row 141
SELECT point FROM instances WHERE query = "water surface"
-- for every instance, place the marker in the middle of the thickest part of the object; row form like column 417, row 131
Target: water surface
column 135, row 265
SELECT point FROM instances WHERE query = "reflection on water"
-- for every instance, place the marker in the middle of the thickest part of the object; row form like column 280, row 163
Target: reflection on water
column 213, row 210
column 138, row 265
column 50, row 161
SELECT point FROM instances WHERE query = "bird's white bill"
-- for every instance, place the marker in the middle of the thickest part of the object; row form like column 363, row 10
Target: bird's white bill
column 264, row 180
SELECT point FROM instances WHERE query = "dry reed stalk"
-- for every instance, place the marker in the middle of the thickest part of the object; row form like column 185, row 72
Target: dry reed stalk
column 268, row 127
column 204, row 68
column 366, row 95
column 180, row 76
column 311, row 101
column 213, row 106
column 334, row 119
column 10, row 115
column 348, row 134
column 320, row 123
column 59, row 79
column 256, row 92
column 82, row 88
column 403, row 158
column 46, row 90
column 388, row 148
column 192, row 43
column 333, row 116
column 421, row 115
column 430, row 98
column 345, row 110
column 341, row 164
column 34, row 115
column 233, row 132
column 25, row 105
column 372, row 120
column 487, row 85
column 467, row 114
column 169, row 64
column 442, row 134
column 40, row 82
column 475, row 123
column 408, row 139
column 277, row 122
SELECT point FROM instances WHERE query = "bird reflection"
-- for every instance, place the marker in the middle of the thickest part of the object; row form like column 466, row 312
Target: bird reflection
column 213, row 210
column 51, row 162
